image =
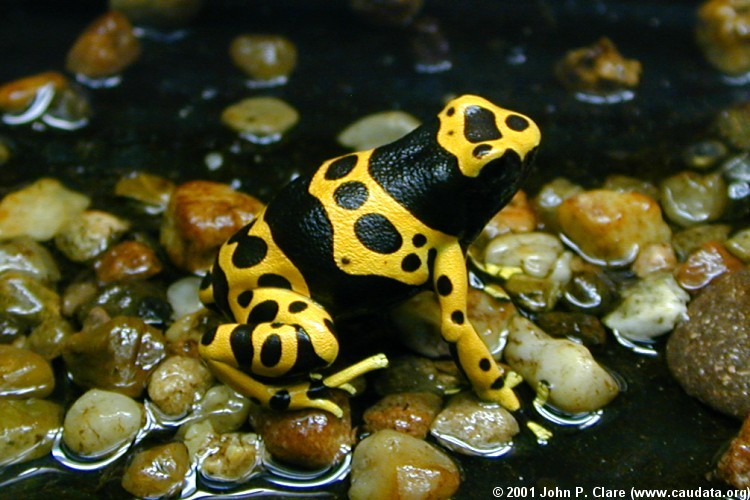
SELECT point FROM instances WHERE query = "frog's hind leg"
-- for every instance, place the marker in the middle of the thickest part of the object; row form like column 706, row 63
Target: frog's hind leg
column 286, row 335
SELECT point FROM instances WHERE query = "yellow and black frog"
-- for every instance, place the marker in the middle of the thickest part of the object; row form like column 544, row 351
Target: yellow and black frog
column 365, row 230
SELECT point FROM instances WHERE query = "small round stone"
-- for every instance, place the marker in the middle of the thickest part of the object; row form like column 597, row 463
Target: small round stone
column 99, row 422
column 260, row 120
column 269, row 58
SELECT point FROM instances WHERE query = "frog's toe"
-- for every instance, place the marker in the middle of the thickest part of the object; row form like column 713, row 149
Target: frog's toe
column 348, row 388
column 504, row 396
column 326, row 405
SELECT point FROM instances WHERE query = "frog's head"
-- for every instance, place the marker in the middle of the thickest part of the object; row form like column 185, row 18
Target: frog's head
column 493, row 149
column 481, row 135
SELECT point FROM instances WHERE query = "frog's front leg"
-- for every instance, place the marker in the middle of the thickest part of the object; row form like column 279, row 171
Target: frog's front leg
column 468, row 349
column 286, row 336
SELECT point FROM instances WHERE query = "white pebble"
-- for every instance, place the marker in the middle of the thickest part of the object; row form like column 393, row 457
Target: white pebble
column 39, row 210
column 183, row 296
column 649, row 308
column 377, row 129
column 577, row 383
column 100, row 422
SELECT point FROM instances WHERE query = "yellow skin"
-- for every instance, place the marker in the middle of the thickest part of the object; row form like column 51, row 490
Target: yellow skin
column 364, row 230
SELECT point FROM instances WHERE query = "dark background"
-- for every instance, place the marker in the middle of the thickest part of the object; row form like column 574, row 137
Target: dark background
column 159, row 120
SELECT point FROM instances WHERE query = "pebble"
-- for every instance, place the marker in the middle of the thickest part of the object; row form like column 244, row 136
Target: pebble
column 260, row 120
column 27, row 299
column 89, row 234
column 734, row 464
column 157, row 472
column 26, row 255
column 655, row 258
column 39, row 210
column 201, row 215
column 649, row 308
column 720, row 33
column 627, row 184
column 739, row 245
column 536, row 254
column 598, row 68
column 709, row 352
column 118, row 355
column 690, row 198
column 609, row 228
column 145, row 300
column 152, row 191
column 105, row 48
column 704, row 154
column 377, row 130
column 704, row 265
column 183, row 296
column 430, row 47
column 224, row 457
column 226, row 409
column 687, row 241
column 126, row 261
column 390, row 464
column 100, row 422
column 533, row 294
column 518, row 216
column 28, row 428
column 408, row 412
column 548, row 201
column 24, row 374
column 178, row 383
column 17, row 95
column 309, row 438
column 48, row 337
column 577, row 383
column 471, row 427
column 268, row 59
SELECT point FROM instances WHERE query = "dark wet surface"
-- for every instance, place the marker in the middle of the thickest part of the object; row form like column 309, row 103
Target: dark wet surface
column 164, row 118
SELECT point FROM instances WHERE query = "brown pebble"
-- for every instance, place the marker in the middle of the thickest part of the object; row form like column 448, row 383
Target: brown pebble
column 408, row 412
column 308, row 438
column 17, row 95
column 200, row 216
column 709, row 353
column 734, row 464
column 105, row 48
column 129, row 260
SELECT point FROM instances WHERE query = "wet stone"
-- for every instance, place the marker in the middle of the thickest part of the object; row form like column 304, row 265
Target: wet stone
column 390, row 464
column 157, row 472
column 105, row 48
column 118, row 355
column 409, row 412
column 100, row 422
column 28, row 428
column 24, row 374
column 709, row 352
column 308, row 438
column 265, row 58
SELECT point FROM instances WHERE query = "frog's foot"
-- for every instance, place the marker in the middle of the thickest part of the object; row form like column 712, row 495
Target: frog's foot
column 504, row 394
column 311, row 394
column 490, row 381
